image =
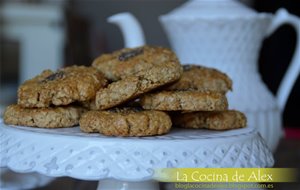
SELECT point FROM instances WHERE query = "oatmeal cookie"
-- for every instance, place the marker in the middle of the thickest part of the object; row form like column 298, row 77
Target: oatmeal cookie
column 126, row 122
column 221, row 120
column 184, row 100
column 129, row 61
column 202, row 79
column 132, row 86
column 67, row 85
column 55, row 117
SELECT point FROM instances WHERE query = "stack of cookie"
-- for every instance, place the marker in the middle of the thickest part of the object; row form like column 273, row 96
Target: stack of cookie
column 133, row 73
column 194, row 97
column 50, row 99
column 197, row 100
column 130, row 92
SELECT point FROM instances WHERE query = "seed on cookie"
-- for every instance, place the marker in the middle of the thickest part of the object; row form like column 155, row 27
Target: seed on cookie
column 220, row 120
column 67, row 85
column 126, row 122
column 129, row 61
column 184, row 100
column 54, row 117
column 200, row 78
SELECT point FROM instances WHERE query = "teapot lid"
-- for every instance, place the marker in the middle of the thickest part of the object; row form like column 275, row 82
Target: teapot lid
column 212, row 9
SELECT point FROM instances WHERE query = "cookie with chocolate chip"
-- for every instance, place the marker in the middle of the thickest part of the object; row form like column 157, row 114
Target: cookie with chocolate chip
column 184, row 101
column 130, row 122
column 54, row 117
column 135, row 72
column 221, row 120
column 67, row 85
column 202, row 79
column 130, row 61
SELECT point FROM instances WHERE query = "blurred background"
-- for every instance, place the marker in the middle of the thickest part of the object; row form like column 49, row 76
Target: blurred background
column 47, row 34
column 55, row 33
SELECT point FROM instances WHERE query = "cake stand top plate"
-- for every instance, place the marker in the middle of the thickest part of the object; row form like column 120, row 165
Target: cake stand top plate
column 69, row 152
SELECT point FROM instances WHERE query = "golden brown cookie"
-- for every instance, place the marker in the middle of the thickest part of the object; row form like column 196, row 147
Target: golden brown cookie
column 132, row 86
column 126, row 122
column 67, row 85
column 55, row 117
column 221, row 120
column 184, row 100
column 199, row 78
column 129, row 61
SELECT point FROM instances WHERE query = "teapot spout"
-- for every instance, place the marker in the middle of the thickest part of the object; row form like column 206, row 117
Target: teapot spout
column 130, row 27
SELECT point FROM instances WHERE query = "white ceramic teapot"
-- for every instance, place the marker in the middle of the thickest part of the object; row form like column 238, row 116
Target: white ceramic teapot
column 227, row 35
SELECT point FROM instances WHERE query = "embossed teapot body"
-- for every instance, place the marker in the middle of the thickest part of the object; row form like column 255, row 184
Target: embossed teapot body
column 227, row 35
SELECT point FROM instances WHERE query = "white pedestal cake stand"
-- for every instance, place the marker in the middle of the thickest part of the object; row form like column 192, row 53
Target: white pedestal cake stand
column 126, row 163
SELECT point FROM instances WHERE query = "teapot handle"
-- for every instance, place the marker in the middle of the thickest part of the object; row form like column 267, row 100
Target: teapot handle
column 290, row 77
column 130, row 27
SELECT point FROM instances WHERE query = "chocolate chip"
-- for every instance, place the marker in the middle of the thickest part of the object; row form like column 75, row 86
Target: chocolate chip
column 189, row 67
column 127, row 55
column 54, row 76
